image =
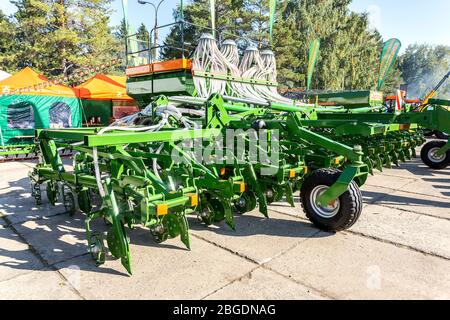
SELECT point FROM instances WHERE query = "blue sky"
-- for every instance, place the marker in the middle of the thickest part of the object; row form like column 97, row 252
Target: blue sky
column 411, row 21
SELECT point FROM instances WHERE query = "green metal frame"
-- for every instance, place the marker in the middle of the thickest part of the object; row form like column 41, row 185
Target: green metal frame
column 134, row 195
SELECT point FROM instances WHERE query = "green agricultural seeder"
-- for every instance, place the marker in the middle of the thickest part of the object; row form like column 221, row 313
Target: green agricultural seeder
column 215, row 139
column 398, row 134
column 130, row 176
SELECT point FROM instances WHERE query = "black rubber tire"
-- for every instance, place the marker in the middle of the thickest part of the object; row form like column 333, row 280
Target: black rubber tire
column 69, row 203
column 442, row 135
column 433, row 164
column 350, row 202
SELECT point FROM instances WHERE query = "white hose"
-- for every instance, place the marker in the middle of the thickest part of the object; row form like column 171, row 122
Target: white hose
column 98, row 177
column 208, row 58
column 165, row 112
column 253, row 66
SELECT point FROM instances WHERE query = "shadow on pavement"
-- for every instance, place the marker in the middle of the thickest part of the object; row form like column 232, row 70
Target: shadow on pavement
column 249, row 225
column 56, row 237
column 392, row 199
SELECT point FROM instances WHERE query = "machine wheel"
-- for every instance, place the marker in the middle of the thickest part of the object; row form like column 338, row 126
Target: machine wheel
column 338, row 216
column 429, row 157
column 246, row 203
column 52, row 193
column 69, row 202
column 97, row 248
column 442, row 135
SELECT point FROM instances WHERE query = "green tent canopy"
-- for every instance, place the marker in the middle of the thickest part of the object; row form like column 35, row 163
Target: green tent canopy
column 29, row 101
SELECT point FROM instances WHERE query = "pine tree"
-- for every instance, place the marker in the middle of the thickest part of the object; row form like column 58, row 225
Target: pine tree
column 233, row 21
column 7, row 43
column 120, row 34
column 121, row 31
column 349, row 53
column 32, row 33
column 62, row 38
column 97, row 45
column 285, row 44
column 142, row 33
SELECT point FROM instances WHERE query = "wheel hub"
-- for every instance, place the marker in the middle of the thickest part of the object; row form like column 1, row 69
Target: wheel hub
column 434, row 157
column 328, row 211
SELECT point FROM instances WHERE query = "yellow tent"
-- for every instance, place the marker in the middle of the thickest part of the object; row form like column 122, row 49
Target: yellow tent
column 119, row 79
column 29, row 82
column 102, row 87
column 104, row 98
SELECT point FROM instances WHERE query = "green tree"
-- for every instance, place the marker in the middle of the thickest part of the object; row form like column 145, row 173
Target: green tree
column 120, row 34
column 32, row 34
column 7, row 43
column 233, row 21
column 291, row 71
column 61, row 40
column 63, row 37
column 350, row 50
column 97, row 44
column 422, row 68
column 142, row 33
column 120, row 31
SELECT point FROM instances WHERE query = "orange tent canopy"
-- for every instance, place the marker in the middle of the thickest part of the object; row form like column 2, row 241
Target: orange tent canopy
column 29, row 82
column 102, row 87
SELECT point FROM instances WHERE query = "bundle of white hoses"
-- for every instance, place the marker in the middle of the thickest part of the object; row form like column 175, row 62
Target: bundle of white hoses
column 269, row 73
column 251, row 64
column 230, row 53
column 127, row 124
column 208, row 58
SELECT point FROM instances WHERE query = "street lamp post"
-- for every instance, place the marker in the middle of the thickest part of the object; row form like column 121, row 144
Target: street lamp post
column 156, row 7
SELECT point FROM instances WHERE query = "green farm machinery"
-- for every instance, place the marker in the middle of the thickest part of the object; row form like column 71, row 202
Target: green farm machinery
column 214, row 139
column 151, row 175
column 17, row 152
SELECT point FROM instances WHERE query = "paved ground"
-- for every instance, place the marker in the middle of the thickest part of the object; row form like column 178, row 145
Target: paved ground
column 400, row 248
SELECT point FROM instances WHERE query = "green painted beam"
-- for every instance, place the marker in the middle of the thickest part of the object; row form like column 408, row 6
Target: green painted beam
column 145, row 137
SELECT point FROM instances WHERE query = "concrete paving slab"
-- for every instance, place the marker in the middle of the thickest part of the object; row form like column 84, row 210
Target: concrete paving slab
column 30, row 163
column 16, row 202
column 263, row 284
column 257, row 238
column 57, row 238
column 415, row 169
column 373, row 194
column 427, row 205
column 352, row 267
column 15, row 257
column 22, row 207
column 380, row 180
column 37, row 285
column 285, row 208
column 13, row 176
column 11, row 165
column 424, row 233
column 432, row 186
column 160, row 271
